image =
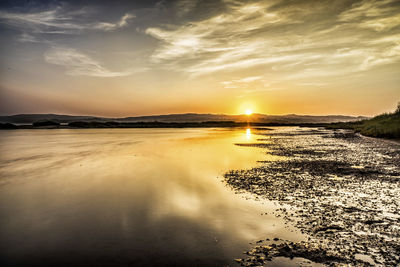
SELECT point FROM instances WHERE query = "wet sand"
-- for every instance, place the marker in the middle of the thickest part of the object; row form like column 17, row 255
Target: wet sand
column 340, row 189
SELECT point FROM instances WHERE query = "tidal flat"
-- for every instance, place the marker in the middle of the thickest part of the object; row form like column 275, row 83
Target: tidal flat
column 339, row 188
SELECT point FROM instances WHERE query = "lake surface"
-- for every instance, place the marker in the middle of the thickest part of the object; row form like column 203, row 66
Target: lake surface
column 128, row 197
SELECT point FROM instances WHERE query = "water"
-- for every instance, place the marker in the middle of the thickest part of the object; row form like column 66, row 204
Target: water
column 127, row 197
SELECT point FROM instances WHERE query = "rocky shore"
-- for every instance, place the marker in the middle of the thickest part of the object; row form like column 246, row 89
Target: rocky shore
column 340, row 189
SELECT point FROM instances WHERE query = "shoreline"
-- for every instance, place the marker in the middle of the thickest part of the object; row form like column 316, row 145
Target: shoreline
column 177, row 125
column 340, row 190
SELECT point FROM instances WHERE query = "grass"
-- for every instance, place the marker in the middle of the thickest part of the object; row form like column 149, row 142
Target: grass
column 384, row 126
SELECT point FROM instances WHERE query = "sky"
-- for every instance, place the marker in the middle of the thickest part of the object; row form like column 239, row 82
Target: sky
column 126, row 58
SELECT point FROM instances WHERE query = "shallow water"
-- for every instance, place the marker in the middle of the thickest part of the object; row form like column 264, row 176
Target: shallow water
column 127, row 197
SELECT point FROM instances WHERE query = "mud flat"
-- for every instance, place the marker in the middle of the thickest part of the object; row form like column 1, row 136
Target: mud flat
column 340, row 189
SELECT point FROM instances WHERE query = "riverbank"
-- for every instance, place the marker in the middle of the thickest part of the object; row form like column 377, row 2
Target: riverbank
column 338, row 188
column 382, row 126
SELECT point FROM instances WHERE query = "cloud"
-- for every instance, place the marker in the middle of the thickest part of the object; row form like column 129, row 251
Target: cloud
column 382, row 24
column 241, row 82
column 366, row 9
column 208, row 36
column 79, row 64
column 377, row 15
column 59, row 21
column 106, row 26
column 249, row 79
column 249, row 84
column 28, row 38
column 289, row 37
column 183, row 7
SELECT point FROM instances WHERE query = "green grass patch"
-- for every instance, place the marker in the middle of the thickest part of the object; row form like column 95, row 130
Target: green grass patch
column 384, row 126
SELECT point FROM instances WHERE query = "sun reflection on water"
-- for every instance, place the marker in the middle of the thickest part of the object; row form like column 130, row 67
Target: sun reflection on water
column 248, row 134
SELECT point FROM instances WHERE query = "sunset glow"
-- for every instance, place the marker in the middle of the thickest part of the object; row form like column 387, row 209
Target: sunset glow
column 199, row 133
column 128, row 58
column 249, row 112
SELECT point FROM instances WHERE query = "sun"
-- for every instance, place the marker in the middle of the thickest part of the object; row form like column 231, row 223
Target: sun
column 249, row 112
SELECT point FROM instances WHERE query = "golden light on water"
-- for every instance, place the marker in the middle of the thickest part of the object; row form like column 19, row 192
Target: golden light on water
column 248, row 133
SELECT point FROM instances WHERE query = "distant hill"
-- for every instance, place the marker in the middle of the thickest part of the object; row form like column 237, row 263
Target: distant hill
column 187, row 117
column 30, row 118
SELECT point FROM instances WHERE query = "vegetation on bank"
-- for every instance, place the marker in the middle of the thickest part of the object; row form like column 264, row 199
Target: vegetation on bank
column 385, row 126
column 8, row 126
column 45, row 123
column 153, row 124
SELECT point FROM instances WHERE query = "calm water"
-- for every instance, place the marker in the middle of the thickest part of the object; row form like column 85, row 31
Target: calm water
column 126, row 197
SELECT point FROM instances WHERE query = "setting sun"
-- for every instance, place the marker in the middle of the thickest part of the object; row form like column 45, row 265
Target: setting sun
column 249, row 112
